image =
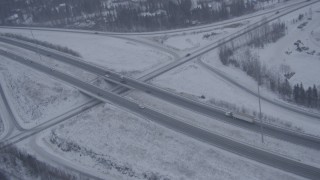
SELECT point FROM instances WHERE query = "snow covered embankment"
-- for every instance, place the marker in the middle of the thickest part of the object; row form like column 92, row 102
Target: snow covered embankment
column 34, row 97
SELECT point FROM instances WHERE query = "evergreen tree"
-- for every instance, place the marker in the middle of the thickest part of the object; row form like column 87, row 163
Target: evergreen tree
column 315, row 96
column 296, row 94
column 286, row 88
column 309, row 97
column 302, row 94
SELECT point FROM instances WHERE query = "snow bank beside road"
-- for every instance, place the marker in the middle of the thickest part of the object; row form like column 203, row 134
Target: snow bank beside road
column 112, row 141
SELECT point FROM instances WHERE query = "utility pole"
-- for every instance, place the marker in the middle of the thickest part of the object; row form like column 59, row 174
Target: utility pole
column 260, row 114
column 38, row 48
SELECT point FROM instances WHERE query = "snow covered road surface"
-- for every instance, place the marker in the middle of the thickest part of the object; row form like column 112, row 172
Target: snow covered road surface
column 187, row 129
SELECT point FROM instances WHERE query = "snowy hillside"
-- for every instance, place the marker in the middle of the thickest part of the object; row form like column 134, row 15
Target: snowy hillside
column 35, row 97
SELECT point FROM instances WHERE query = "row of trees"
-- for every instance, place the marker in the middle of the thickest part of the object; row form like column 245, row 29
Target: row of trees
column 275, row 79
column 21, row 162
column 267, row 33
column 138, row 16
column 167, row 14
column 49, row 10
column 308, row 97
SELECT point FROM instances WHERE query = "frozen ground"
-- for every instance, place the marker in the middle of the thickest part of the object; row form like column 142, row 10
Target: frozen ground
column 194, row 80
column 35, row 97
column 127, row 57
column 134, row 148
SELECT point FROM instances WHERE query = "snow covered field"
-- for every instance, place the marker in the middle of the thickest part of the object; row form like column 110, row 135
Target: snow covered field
column 194, row 80
column 120, row 145
column 36, row 98
column 127, row 57
column 305, row 64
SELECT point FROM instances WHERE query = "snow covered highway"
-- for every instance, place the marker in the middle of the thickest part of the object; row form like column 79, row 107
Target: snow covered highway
column 94, row 68
column 214, row 112
column 233, row 95
column 178, row 125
